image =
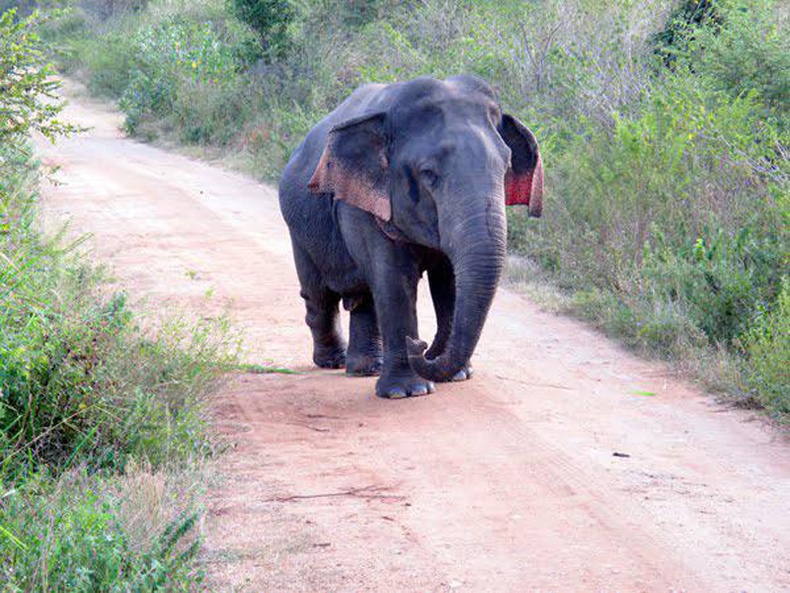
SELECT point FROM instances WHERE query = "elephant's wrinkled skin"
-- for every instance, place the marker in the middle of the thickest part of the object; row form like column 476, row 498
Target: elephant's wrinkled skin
column 398, row 180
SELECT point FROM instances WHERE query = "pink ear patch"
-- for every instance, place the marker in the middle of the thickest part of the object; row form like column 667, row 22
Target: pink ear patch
column 526, row 188
column 517, row 189
column 320, row 181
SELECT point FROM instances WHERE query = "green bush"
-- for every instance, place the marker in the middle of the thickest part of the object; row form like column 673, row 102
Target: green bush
column 720, row 280
column 212, row 114
column 168, row 56
column 110, row 64
column 666, row 212
column 80, row 378
column 106, row 9
column 22, row 7
column 745, row 51
column 674, row 38
column 767, row 344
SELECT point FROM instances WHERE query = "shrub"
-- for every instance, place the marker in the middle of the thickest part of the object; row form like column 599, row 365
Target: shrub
column 720, row 280
column 673, row 39
column 82, row 381
column 170, row 55
column 744, row 51
column 110, row 64
column 211, row 114
column 674, row 215
column 767, row 345
column 26, row 79
column 22, row 7
column 106, row 9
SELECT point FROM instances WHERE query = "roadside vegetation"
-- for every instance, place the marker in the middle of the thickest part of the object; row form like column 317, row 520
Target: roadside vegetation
column 103, row 424
column 663, row 126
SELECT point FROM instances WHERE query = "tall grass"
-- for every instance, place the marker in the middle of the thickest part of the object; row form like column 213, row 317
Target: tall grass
column 83, row 531
column 664, row 138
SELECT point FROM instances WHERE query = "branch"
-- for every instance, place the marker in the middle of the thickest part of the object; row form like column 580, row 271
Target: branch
column 363, row 492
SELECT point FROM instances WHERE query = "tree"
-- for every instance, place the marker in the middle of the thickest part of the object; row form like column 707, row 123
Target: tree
column 270, row 19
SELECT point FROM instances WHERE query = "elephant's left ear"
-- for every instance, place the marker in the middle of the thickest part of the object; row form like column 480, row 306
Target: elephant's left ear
column 524, row 179
column 354, row 165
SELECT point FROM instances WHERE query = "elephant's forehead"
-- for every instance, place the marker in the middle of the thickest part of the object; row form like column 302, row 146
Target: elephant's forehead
column 443, row 111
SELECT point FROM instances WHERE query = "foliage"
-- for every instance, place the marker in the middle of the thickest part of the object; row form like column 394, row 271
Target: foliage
column 105, row 9
column 23, row 7
column 86, row 393
column 28, row 95
column 674, row 37
column 169, row 55
column 748, row 52
column 80, row 379
column 270, row 19
column 767, row 345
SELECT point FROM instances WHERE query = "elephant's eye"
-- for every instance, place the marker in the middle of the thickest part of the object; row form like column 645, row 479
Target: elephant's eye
column 429, row 177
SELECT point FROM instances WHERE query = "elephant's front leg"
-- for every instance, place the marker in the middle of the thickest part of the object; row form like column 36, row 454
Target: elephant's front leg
column 395, row 293
column 441, row 280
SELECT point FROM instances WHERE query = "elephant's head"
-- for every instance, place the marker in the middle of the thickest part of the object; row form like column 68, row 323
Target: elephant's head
column 437, row 166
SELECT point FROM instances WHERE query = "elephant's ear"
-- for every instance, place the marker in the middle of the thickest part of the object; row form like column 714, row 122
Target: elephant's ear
column 524, row 179
column 354, row 165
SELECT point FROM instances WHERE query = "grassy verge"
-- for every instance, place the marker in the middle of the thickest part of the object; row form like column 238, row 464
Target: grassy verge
column 663, row 125
column 104, row 429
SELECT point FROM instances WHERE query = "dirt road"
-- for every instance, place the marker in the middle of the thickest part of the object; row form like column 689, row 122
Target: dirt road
column 551, row 470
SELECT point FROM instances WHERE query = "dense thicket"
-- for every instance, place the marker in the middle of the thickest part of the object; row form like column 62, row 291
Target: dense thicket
column 663, row 125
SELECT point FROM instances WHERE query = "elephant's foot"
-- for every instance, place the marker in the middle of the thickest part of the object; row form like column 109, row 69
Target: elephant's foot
column 405, row 384
column 329, row 357
column 362, row 365
column 464, row 374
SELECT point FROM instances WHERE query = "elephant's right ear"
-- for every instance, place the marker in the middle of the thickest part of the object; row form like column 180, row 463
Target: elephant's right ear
column 354, row 165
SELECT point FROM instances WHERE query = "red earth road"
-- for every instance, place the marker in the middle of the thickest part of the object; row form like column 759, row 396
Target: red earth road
column 549, row 471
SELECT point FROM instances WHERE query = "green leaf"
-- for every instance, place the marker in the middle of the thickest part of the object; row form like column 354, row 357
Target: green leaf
column 643, row 393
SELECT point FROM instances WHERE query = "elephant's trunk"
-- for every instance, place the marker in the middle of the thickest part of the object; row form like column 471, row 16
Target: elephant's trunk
column 478, row 258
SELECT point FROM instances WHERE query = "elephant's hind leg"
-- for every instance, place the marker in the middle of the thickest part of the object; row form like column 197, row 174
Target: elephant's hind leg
column 364, row 356
column 323, row 318
column 323, row 313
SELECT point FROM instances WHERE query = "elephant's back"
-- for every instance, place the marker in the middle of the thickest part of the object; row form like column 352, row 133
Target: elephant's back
column 311, row 217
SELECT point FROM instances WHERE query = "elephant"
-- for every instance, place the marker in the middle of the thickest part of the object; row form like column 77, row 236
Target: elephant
column 399, row 180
